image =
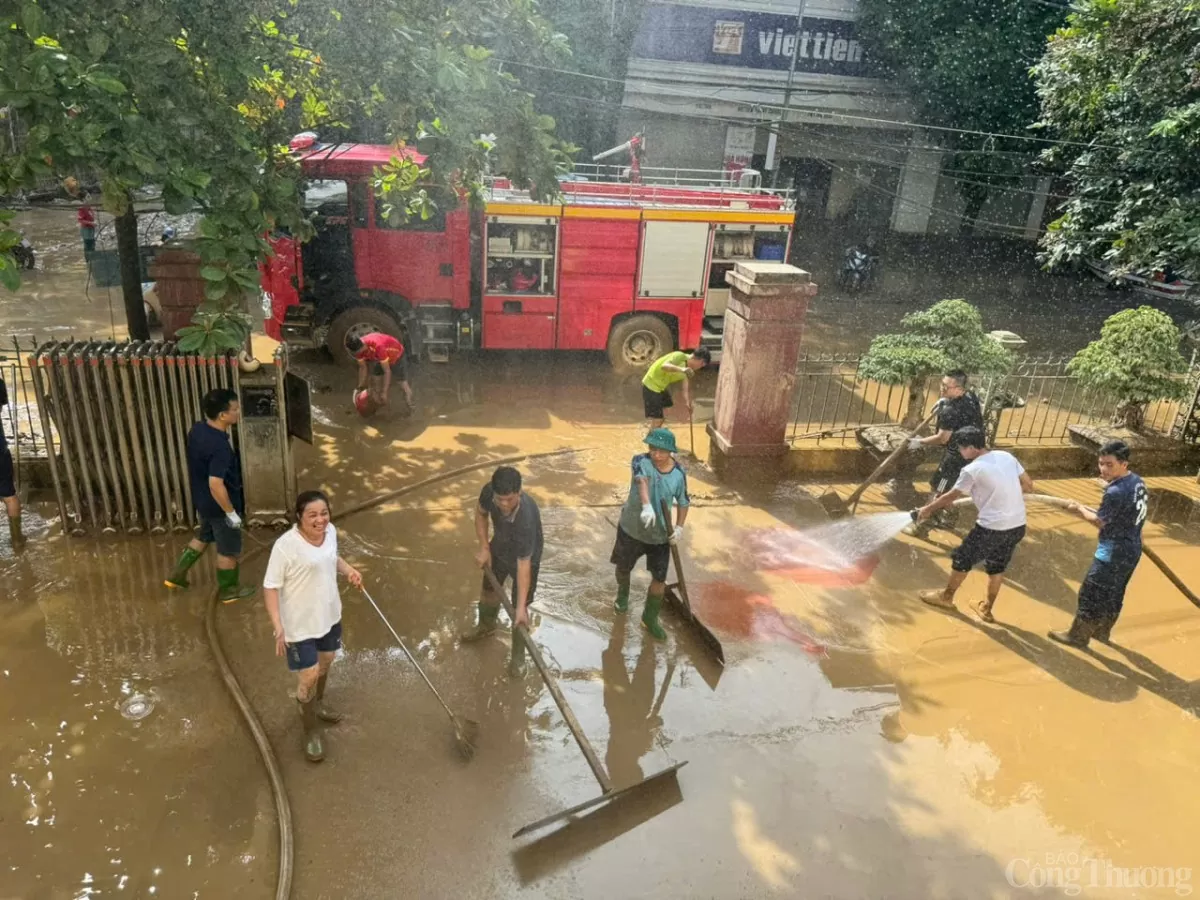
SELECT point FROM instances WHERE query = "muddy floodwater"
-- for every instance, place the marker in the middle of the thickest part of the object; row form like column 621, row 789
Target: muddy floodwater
column 856, row 744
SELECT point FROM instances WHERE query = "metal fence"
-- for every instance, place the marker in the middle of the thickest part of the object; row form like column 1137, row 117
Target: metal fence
column 1034, row 404
column 19, row 420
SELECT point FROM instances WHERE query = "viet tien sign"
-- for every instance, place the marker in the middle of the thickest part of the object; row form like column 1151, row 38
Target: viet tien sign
column 754, row 40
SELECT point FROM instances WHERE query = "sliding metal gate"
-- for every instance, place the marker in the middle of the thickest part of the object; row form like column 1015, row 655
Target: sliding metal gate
column 122, row 412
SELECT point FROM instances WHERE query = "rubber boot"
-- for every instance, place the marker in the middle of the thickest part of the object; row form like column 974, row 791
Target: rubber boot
column 488, row 616
column 230, row 591
column 313, row 750
column 650, row 616
column 1080, row 633
column 324, row 713
column 14, row 529
column 178, row 576
column 1103, row 630
column 621, row 604
column 516, row 664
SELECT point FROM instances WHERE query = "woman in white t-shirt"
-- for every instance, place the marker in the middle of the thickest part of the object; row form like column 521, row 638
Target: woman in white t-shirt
column 301, row 592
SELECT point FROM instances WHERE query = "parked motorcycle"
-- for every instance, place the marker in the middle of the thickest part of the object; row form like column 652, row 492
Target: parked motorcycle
column 858, row 268
column 24, row 254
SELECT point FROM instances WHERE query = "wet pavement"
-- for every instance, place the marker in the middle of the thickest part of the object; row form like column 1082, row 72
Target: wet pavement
column 857, row 744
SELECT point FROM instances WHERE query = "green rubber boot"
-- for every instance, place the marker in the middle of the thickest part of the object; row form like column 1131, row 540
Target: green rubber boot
column 650, row 616
column 14, row 529
column 313, row 749
column 325, row 713
column 178, row 576
column 488, row 616
column 621, row 604
column 230, row 591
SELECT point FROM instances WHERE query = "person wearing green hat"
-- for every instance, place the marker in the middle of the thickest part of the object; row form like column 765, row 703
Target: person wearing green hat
column 656, row 478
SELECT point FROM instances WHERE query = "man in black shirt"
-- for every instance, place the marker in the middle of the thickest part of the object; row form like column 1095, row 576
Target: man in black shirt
column 8, row 486
column 957, row 409
column 1119, row 518
column 214, row 476
column 514, row 551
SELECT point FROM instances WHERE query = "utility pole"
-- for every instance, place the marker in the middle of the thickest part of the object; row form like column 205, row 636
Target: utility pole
column 787, row 91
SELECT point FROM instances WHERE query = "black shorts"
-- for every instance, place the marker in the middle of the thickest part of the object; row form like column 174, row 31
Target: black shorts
column 303, row 654
column 655, row 403
column 227, row 538
column 7, row 486
column 503, row 571
column 992, row 548
column 947, row 472
column 628, row 550
column 1102, row 593
column 399, row 369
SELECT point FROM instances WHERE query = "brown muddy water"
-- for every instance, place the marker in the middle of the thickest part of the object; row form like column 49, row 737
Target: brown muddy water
column 857, row 744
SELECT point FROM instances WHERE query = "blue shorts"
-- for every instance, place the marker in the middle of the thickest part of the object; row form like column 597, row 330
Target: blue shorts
column 227, row 538
column 303, row 654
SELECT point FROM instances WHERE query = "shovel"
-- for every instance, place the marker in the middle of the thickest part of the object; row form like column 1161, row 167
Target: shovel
column 608, row 794
column 680, row 602
column 838, row 508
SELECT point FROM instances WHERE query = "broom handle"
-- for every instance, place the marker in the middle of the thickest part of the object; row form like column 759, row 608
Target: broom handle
column 521, row 633
column 852, row 500
column 416, row 665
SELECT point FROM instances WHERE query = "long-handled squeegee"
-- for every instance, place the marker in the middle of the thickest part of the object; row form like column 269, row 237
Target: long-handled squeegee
column 608, row 793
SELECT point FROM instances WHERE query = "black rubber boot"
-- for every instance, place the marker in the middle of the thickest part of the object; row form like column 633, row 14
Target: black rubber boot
column 1104, row 627
column 1082, row 631
column 313, row 750
column 488, row 617
column 324, row 713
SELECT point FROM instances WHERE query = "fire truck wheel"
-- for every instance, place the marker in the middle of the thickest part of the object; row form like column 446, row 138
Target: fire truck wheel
column 637, row 342
column 356, row 322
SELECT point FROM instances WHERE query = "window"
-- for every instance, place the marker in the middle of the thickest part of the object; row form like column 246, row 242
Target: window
column 435, row 222
column 358, row 192
column 325, row 196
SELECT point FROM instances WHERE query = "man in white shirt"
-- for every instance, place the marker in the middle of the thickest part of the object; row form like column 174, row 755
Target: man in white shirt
column 996, row 483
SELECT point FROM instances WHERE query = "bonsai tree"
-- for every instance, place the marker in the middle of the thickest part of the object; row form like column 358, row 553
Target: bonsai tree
column 948, row 335
column 1135, row 362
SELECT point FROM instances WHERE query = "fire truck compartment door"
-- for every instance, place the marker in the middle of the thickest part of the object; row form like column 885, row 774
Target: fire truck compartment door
column 674, row 259
column 519, row 322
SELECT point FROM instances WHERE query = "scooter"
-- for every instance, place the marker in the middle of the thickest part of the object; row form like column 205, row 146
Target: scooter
column 858, row 268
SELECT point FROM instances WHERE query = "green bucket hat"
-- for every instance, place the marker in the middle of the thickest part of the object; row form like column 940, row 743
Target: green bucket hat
column 662, row 439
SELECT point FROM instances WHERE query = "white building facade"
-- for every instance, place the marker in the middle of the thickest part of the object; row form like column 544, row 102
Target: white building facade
column 707, row 83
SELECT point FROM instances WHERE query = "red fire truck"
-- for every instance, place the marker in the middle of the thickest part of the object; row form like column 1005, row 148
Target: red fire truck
column 634, row 269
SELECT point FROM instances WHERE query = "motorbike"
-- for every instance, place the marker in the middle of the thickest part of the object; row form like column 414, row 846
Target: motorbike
column 24, row 254
column 858, row 268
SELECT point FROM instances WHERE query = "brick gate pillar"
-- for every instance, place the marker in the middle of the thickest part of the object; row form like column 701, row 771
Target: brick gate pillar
column 764, row 326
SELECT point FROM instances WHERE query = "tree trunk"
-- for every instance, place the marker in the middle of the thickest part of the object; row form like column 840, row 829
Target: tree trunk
column 916, row 405
column 1131, row 415
column 131, row 274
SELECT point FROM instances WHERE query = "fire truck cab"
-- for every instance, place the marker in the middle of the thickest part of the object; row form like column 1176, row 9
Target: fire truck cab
column 631, row 269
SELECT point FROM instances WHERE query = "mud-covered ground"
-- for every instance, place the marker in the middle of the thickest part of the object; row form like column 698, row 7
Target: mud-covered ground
column 857, row 743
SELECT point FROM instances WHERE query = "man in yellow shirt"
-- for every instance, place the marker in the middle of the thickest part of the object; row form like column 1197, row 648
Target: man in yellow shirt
column 676, row 366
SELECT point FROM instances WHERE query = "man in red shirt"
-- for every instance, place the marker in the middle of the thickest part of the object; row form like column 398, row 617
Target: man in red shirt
column 385, row 353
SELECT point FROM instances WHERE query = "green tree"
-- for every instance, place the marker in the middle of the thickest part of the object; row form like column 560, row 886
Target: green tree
column 949, row 335
column 201, row 99
column 966, row 66
column 1136, row 361
column 1122, row 81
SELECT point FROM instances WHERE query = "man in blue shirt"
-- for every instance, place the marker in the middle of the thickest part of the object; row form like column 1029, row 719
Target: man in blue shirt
column 641, row 532
column 216, row 484
column 1119, row 518
column 8, row 487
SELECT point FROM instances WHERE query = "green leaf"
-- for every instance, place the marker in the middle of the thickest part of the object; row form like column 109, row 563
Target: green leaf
column 212, row 273
column 33, row 20
column 97, row 43
column 10, row 275
column 105, row 82
column 190, row 342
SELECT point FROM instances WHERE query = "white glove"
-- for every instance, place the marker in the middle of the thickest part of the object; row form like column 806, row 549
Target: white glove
column 676, row 534
column 915, row 443
column 234, row 520
column 647, row 516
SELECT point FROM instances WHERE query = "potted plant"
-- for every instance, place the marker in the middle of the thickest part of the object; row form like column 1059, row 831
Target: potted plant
column 1135, row 362
column 949, row 335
